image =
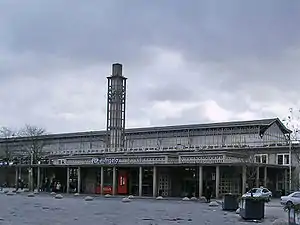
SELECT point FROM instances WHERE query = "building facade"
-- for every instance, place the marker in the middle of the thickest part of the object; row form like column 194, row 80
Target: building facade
column 168, row 161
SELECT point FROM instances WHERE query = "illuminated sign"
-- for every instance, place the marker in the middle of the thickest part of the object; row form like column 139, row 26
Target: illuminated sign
column 105, row 161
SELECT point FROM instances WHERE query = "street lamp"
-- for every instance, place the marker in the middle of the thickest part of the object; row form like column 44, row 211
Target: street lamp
column 30, row 171
column 290, row 164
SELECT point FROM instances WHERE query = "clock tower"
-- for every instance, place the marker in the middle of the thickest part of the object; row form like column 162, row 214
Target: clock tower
column 116, row 101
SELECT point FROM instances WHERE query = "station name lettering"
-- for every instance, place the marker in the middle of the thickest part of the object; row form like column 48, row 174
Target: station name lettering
column 105, row 161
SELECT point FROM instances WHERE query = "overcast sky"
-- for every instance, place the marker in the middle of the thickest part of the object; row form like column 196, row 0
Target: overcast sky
column 189, row 61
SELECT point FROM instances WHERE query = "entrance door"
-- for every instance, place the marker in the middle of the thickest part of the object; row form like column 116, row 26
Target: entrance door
column 189, row 187
column 122, row 182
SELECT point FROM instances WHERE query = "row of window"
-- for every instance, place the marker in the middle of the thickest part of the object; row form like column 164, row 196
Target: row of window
column 281, row 159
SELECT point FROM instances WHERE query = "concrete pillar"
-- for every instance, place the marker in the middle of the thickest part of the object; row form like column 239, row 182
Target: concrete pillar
column 68, row 179
column 30, row 178
column 114, row 181
column 276, row 185
column 140, row 181
column 102, row 179
column 200, row 181
column 16, row 176
column 217, row 181
column 78, row 180
column 286, row 179
column 20, row 172
column 257, row 177
column 244, row 179
column 154, row 190
column 265, row 176
column 38, row 182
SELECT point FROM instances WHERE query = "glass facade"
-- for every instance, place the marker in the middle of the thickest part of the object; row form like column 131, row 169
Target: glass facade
column 227, row 137
column 181, row 139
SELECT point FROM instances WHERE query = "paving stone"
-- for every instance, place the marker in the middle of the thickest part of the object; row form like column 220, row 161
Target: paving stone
column 213, row 204
column 31, row 195
column 58, row 196
column 126, row 200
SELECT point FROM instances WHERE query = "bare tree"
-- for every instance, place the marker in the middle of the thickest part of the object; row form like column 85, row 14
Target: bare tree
column 292, row 121
column 250, row 163
column 6, row 149
column 33, row 145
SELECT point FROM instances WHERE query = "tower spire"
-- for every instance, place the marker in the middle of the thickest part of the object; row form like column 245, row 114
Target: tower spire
column 116, row 102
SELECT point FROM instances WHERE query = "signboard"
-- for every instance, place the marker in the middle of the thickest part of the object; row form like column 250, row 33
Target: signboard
column 102, row 161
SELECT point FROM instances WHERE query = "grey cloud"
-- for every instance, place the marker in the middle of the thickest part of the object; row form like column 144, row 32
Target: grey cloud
column 204, row 30
column 172, row 92
column 228, row 51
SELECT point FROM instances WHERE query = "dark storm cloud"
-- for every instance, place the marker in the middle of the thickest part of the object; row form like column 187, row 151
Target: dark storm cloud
column 110, row 30
column 174, row 52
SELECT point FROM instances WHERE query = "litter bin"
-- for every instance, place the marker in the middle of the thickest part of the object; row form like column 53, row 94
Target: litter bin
column 230, row 202
column 252, row 208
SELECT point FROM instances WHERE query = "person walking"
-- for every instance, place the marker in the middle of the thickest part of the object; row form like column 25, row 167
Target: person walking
column 208, row 193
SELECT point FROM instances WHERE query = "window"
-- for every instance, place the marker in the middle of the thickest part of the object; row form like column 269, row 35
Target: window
column 255, row 190
column 296, row 195
column 261, row 158
column 283, row 159
column 265, row 191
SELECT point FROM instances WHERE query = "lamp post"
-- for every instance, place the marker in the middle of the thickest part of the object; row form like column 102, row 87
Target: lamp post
column 290, row 164
column 31, row 172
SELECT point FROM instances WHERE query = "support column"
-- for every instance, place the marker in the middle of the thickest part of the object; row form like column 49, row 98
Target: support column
column 30, row 178
column 114, row 181
column 154, row 182
column 20, row 172
column 244, row 179
column 78, row 180
column 285, row 180
column 140, row 181
column 265, row 176
column 200, row 181
column 38, row 182
column 276, row 185
column 217, row 181
column 102, row 179
column 68, row 179
column 257, row 177
column 16, row 176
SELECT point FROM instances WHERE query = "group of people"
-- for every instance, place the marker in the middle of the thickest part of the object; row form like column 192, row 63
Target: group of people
column 51, row 185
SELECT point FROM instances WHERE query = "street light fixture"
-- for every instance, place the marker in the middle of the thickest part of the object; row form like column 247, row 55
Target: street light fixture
column 290, row 164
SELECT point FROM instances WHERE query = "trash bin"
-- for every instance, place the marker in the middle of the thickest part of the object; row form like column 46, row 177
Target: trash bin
column 252, row 208
column 230, row 202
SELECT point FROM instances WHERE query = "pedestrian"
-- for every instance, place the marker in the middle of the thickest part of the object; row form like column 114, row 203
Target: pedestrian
column 208, row 193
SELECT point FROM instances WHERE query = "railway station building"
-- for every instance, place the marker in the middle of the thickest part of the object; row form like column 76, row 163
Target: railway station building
column 173, row 161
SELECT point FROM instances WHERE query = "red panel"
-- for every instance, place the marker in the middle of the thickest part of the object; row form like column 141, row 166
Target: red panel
column 122, row 182
column 98, row 189
column 107, row 190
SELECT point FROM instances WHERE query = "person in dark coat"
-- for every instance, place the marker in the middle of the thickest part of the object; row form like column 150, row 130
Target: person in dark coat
column 208, row 193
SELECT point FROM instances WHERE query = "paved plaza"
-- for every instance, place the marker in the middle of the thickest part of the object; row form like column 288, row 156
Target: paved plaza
column 43, row 209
